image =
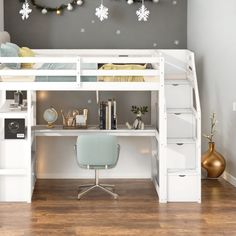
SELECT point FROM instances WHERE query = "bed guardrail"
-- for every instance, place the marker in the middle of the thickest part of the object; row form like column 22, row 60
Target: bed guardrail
column 80, row 68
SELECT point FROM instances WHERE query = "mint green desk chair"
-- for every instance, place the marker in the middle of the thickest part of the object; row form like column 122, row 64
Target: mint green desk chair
column 97, row 152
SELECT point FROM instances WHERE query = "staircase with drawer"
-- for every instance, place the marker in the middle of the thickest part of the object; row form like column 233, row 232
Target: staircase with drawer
column 183, row 138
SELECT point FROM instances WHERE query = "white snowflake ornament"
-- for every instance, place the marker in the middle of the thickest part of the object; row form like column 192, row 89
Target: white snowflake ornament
column 25, row 11
column 143, row 13
column 102, row 12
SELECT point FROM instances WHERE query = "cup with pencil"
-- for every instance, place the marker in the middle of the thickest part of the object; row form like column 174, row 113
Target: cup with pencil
column 74, row 120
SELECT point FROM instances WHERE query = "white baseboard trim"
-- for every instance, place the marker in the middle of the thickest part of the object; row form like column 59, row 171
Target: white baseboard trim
column 74, row 176
column 229, row 178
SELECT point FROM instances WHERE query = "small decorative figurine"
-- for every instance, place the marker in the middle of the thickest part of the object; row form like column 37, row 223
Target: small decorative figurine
column 138, row 123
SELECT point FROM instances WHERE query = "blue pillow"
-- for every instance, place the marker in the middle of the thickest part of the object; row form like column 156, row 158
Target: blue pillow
column 13, row 46
column 9, row 51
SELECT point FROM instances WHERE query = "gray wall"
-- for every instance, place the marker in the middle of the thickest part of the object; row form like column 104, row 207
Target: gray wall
column 1, row 16
column 167, row 24
column 212, row 34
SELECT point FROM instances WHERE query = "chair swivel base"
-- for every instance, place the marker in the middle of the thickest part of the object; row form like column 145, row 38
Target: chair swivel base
column 90, row 187
column 104, row 187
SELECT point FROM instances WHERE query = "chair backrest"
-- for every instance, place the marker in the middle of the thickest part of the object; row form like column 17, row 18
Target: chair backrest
column 97, row 151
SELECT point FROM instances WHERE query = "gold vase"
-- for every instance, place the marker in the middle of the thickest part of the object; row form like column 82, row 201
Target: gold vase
column 213, row 162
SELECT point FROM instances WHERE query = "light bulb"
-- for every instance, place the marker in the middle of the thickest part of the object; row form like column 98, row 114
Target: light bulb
column 58, row 12
column 156, row 1
column 69, row 7
column 130, row 2
column 44, row 11
column 79, row 2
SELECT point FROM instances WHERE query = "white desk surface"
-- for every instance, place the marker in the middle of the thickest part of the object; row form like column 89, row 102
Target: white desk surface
column 42, row 130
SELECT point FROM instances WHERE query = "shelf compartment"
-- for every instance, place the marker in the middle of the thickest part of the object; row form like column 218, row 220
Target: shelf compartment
column 6, row 112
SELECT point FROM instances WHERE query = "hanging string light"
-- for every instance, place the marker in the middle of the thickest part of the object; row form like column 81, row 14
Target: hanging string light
column 45, row 9
column 133, row 1
column 101, row 11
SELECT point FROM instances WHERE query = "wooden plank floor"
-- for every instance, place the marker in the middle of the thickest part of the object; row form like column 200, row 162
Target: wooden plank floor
column 56, row 211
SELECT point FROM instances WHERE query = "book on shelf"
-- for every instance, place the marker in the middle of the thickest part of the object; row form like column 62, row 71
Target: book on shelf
column 107, row 115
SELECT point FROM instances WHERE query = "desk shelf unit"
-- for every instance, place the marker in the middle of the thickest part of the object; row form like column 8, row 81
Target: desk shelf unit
column 175, row 116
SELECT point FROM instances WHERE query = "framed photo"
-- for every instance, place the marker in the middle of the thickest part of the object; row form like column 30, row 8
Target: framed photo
column 14, row 128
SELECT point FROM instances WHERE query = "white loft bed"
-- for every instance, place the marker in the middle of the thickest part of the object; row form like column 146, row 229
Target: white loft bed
column 173, row 73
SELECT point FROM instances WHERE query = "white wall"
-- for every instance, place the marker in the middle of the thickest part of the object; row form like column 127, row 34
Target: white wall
column 212, row 35
column 1, row 16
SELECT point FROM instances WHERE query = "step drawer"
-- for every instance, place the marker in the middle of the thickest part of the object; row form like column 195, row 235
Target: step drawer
column 183, row 188
column 178, row 96
column 181, row 156
column 181, row 125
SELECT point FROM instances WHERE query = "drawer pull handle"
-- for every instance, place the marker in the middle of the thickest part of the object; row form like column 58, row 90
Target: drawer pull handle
column 182, row 176
column 180, row 144
column 177, row 114
column 175, row 85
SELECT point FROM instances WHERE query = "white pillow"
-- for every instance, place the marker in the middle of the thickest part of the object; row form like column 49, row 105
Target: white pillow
column 4, row 37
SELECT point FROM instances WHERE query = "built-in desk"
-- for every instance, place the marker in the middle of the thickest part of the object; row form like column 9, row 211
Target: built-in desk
column 150, row 134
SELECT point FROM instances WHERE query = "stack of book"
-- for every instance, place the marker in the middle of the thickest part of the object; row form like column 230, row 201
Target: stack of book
column 107, row 115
